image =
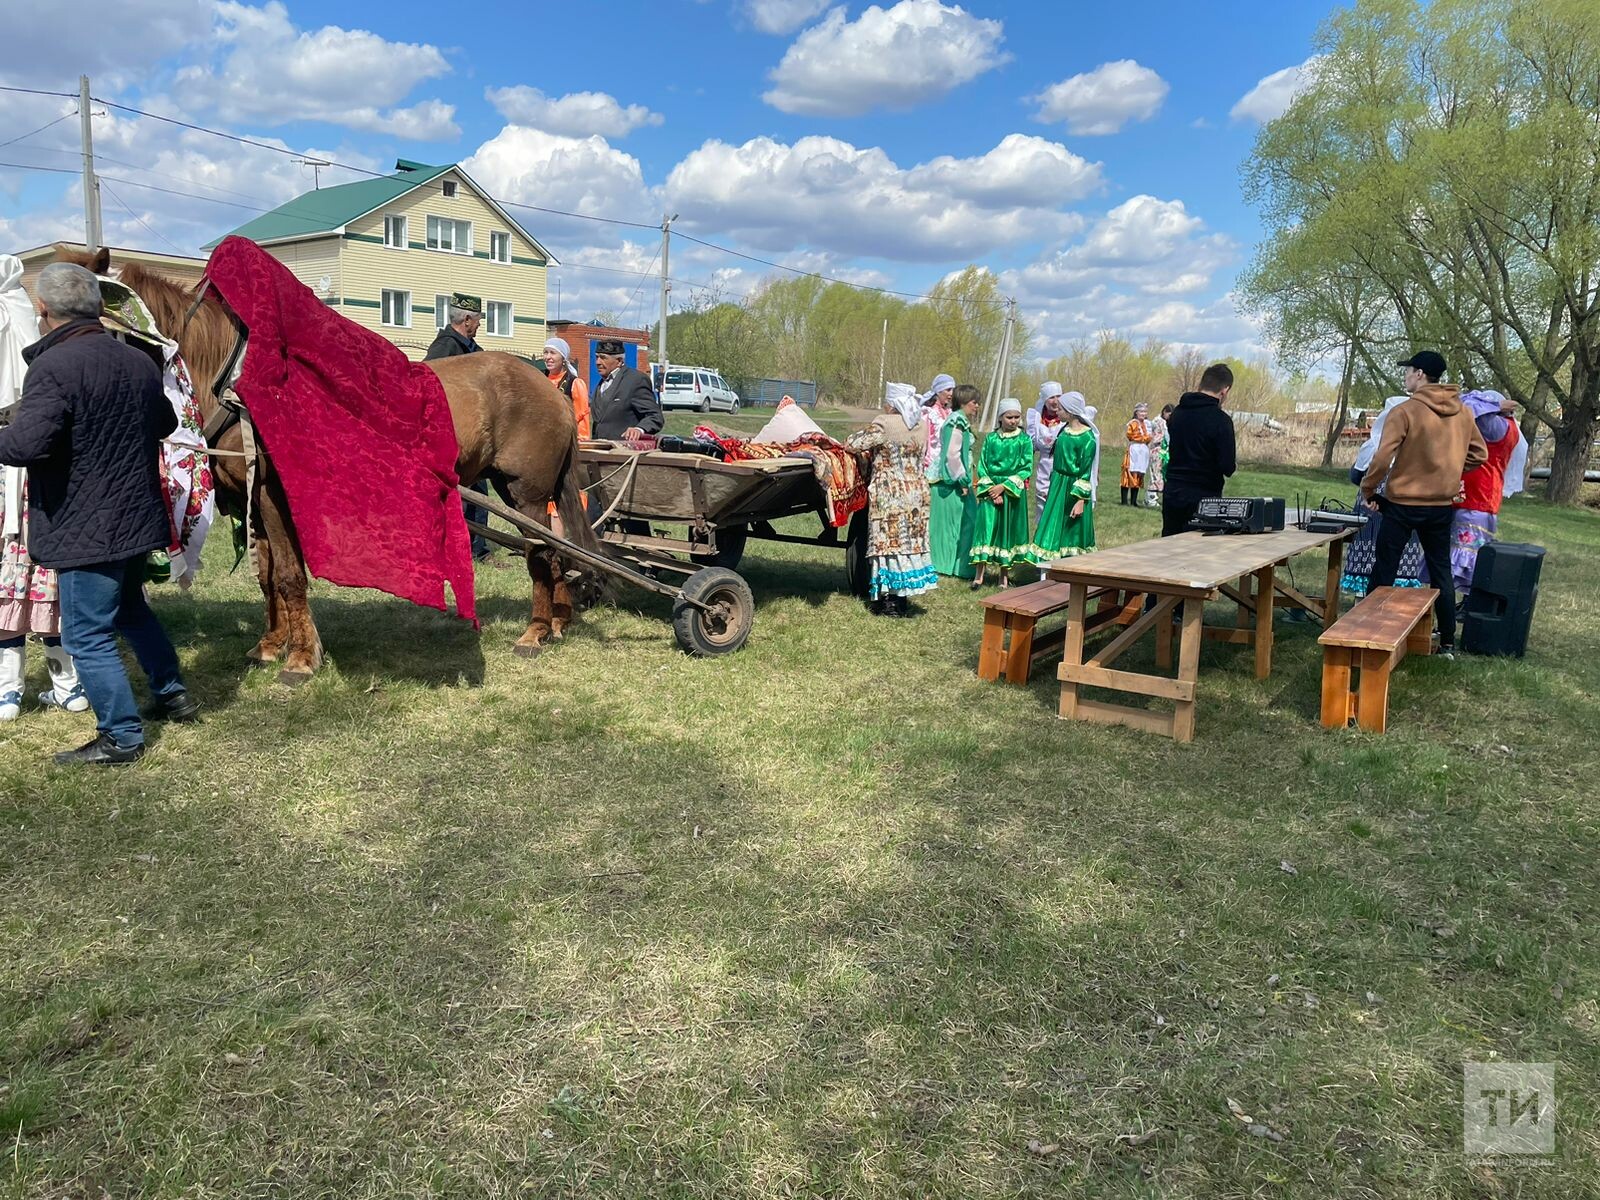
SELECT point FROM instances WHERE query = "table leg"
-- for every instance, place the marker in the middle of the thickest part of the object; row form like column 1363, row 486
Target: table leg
column 1264, row 609
column 1072, row 651
column 1194, row 614
column 1242, row 617
column 1330, row 591
column 1164, row 644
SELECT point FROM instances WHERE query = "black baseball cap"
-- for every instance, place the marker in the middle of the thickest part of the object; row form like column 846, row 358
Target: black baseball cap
column 1429, row 362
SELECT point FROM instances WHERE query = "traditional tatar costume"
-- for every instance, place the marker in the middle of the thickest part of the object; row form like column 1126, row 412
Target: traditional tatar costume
column 1137, row 460
column 955, row 510
column 897, row 501
column 1075, row 477
column 1043, row 423
column 1001, row 537
column 1477, row 517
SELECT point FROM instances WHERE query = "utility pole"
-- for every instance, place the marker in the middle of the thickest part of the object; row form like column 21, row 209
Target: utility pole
column 1000, row 377
column 91, row 185
column 666, row 286
column 883, row 357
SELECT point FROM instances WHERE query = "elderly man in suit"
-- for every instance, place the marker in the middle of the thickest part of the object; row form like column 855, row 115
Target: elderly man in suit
column 625, row 405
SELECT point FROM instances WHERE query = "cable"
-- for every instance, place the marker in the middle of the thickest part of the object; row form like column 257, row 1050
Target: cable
column 140, row 219
column 41, row 129
column 37, row 92
column 643, row 276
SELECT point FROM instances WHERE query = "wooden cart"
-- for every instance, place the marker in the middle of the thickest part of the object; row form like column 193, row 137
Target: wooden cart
column 713, row 507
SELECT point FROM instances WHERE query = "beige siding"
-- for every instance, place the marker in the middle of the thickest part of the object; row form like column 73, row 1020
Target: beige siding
column 314, row 263
column 368, row 267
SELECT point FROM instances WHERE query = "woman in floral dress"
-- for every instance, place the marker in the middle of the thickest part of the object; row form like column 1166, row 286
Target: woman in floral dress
column 27, row 591
column 1155, row 479
column 897, row 503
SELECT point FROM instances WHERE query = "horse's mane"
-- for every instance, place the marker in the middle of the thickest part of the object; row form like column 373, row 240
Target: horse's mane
column 206, row 340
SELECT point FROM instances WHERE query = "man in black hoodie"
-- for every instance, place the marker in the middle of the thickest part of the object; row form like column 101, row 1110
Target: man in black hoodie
column 1200, row 449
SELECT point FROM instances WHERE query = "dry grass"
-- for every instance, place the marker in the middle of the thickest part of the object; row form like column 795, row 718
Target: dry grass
column 828, row 917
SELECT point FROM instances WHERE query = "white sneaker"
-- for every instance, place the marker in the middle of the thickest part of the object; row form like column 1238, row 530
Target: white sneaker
column 65, row 691
column 12, row 659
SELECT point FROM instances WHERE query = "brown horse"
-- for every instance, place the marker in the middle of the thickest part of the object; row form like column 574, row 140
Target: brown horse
column 513, row 427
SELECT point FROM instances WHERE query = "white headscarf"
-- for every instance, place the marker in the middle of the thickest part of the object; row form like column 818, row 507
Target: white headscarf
column 905, row 400
column 1009, row 404
column 1072, row 403
column 940, row 383
column 559, row 345
column 19, row 328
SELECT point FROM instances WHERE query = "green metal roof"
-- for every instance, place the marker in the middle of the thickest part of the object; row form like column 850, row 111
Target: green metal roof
column 329, row 209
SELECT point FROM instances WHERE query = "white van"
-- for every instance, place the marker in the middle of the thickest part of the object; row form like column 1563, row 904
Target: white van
column 699, row 388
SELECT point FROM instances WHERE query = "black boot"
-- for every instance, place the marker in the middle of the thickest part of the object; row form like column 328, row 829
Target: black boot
column 898, row 607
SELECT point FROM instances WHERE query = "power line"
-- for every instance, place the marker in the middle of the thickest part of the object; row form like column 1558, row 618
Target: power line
column 644, row 275
column 37, row 92
column 41, row 129
column 140, row 219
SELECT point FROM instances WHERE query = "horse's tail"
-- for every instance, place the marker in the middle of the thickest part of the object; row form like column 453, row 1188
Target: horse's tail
column 575, row 518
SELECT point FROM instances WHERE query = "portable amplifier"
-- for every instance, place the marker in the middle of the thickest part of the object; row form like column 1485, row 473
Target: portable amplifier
column 1239, row 514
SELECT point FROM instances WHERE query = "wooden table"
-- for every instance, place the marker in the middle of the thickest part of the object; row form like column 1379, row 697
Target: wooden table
column 1185, row 570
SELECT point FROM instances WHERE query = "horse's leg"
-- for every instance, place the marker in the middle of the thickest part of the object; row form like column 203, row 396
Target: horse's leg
column 548, row 618
column 289, row 585
column 275, row 640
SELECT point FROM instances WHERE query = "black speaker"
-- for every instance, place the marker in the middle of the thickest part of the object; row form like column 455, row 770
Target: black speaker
column 1505, row 587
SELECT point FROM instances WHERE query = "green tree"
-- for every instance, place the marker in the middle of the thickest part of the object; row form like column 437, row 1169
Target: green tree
column 1450, row 156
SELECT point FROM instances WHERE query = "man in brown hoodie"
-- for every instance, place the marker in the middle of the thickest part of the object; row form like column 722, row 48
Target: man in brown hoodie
column 1428, row 443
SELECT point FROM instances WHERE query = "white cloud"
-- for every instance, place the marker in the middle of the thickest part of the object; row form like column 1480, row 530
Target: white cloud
column 780, row 16
column 1272, row 95
column 1105, row 99
column 274, row 73
column 578, row 114
column 577, row 175
column 895, row 58
column 1132, row 271
column 113, row 43
column 827, row 195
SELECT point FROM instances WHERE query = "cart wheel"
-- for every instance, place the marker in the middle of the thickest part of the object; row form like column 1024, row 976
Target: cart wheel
column 730, row 548
column 857, row 574
column 723, row 627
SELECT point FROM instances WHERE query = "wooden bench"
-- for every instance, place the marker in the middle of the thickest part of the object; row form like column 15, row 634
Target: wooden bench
column 1012, row 644
column 1384, row 626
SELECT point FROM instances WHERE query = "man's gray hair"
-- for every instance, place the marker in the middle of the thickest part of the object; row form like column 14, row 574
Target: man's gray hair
column 458, row 315
column 68, row 291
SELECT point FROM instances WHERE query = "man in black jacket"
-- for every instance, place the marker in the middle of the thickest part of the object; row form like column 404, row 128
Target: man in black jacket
column 624, row 406
column 89, row 429
column 460, row 336
column 1200, row 449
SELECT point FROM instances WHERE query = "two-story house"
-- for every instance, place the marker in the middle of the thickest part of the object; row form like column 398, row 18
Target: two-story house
column 388, row 252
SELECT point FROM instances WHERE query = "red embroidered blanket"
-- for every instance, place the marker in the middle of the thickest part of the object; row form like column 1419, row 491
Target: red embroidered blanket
column 360, row 435
column 837, row 467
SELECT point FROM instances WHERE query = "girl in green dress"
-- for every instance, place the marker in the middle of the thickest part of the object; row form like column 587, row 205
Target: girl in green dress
column 1066, row 526
column 1005, row 464
column 955, row 510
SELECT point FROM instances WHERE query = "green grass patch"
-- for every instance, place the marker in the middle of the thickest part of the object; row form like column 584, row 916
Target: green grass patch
column 828, row 917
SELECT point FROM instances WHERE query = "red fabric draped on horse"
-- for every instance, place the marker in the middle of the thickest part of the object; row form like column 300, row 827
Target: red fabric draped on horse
column 356, row 477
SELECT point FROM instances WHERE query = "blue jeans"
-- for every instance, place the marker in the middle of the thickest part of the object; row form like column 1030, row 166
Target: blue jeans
column 97, row 603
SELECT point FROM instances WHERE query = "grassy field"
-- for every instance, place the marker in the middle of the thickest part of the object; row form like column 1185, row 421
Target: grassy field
column 825, row 918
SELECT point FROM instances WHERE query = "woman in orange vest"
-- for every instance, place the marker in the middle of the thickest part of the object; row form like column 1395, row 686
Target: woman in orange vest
column 558, row 366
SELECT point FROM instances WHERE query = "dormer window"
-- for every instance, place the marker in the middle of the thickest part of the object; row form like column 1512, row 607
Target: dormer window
column 449, row 188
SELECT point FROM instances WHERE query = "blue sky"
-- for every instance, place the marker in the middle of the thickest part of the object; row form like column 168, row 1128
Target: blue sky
column 1088, row 154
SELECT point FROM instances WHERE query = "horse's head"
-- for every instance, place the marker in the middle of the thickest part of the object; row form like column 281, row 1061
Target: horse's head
column 98, row 261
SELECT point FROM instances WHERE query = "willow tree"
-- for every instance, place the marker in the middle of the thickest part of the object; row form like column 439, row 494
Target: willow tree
column 1449, row 157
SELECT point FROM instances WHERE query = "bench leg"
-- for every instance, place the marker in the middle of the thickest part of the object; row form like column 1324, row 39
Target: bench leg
column 1019, row 655
column 991, row 653
column 1372, row 701
column 1420, row 640
column 1336, row 705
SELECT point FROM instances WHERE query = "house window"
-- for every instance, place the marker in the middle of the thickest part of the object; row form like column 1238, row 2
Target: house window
column 394, row 232
column 498, row 318
column 500, row 247
column 453, row 237
column 441, row 311
column 397, row 308
column 449, row 187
